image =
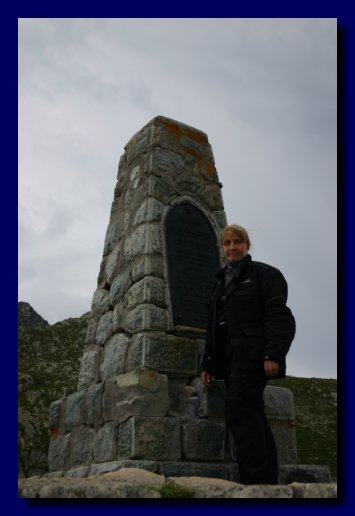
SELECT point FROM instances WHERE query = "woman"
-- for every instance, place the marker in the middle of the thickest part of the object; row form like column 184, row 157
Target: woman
column 250, row 330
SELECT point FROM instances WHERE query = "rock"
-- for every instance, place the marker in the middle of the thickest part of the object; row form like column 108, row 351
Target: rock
column 264, row 491
column 130, row 482
column 321, row 490
column 97, row 470
column 84, row 488
column 136, row 476
column 207, row 487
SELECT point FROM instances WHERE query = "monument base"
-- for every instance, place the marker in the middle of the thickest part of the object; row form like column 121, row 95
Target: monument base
column 305, row 473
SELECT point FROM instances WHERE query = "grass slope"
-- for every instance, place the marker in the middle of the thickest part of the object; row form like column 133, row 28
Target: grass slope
column 316, row 419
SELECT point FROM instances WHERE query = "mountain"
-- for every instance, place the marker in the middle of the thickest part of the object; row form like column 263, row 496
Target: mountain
column 27, row 316
column 49, row 363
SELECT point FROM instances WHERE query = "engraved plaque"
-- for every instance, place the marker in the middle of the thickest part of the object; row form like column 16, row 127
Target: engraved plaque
column 193, row 261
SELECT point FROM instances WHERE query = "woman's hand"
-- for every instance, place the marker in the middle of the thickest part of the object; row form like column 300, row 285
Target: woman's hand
column 271, row 368
column 206, row 378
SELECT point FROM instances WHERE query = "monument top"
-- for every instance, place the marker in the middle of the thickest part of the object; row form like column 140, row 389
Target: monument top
column 177, row 128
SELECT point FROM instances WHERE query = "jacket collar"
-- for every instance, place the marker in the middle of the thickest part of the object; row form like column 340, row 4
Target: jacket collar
column 241, row 265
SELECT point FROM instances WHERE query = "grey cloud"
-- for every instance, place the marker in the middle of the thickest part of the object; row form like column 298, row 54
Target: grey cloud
column 58, row 223
column 263, row 90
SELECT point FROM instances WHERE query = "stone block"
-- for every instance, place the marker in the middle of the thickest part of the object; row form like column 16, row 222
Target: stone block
column 139, row 143
column 81, row 446
column 119, row 287
column 111, row 264
column 151, row 265
column 80, row 472
column 54, row 474
column 166, row 162
column 200, row 347
column 305, row 473
column 145, row 239
column 190, row 410
column 104, row 328
column 212, row 399
column 105, row 444
column 207, row 171
column 162, row 190
column 149, row 211
column 58, row 453
column 220, row 218
column 112, row 237
column 195, row 144
column 117, row 317
column 194, row 469
column 115, row 465
column 100, row 303
column 146, row 317
column 203, row 440
column 91, row 332
column 172, row 135
column 134, row 197
column 150, row 438
column 231, row 450
column 75, row 412
column 148, row 290
column 285, row 438
column 188, row 183
column 114, row 356
column 279, row 403
column 94, row 404
column 178, row 396
column 212, row 197
column 166, row 353
column 56, row 417
column 102, row 280
column 137, row 393
column 125, row 221
column 89, row 368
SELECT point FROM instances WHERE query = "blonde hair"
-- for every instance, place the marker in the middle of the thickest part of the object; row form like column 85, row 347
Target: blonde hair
column 238, row 231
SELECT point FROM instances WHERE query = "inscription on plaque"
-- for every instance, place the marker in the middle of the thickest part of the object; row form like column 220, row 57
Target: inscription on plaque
column 193, row 261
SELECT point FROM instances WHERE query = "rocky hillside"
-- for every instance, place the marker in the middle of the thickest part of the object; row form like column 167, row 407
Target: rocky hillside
column 49, row 361
column 48, row 368
column 139, row 483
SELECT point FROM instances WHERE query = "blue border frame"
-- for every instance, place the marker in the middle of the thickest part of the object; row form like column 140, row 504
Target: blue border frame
column 346, row 30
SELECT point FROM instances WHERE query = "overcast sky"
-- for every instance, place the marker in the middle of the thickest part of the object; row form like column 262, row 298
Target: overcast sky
column 264, row 91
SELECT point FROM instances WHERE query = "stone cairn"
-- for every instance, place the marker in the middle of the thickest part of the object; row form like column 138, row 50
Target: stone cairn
column 139, row 400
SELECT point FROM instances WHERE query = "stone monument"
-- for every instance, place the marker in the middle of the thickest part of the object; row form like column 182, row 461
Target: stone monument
column 139, row 401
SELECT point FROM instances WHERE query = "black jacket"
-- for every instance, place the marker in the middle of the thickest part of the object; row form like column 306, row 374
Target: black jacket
column 260, row 325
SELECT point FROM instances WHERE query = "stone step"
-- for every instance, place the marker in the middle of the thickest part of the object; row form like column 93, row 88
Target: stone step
column 289, row 473
column 139, row 483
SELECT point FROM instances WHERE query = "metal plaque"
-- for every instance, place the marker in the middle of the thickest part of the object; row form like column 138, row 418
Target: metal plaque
column 193, row 261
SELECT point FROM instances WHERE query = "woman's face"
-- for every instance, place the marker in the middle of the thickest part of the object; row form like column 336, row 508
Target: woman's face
column 234, row 248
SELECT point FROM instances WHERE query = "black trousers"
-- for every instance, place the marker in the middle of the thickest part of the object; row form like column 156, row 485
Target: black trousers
column 245, row 416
